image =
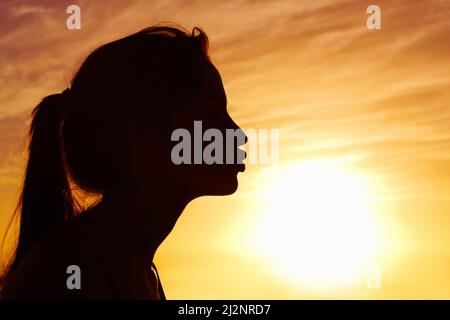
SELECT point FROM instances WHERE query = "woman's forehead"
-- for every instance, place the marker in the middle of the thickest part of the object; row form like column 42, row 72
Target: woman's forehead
column 212, row 85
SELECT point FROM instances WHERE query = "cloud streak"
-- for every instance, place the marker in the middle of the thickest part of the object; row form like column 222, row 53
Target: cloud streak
column 310, row 68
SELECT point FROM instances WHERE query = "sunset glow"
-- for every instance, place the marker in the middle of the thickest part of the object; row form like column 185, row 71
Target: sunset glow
column 363, row 116
column 317, row 228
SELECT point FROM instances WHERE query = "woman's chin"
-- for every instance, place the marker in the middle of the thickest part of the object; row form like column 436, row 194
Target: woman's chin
column 213, row 182
column 222, row 187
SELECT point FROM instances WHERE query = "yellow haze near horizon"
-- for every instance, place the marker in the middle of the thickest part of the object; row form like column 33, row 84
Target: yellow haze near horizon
column 363, row 114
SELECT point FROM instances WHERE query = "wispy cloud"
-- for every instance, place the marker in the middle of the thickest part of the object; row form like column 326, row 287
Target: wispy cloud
column 309, row 68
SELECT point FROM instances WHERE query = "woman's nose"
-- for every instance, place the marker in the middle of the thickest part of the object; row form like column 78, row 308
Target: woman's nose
column 245, row 136
column 241, row 132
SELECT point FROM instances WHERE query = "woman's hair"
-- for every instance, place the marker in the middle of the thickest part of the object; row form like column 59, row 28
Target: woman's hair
column 147, row 73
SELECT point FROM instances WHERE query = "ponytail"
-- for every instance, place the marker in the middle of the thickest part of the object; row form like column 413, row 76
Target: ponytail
column 112, row 81
column 46, row 199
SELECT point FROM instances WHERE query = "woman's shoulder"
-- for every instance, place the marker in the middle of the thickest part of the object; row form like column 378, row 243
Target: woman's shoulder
column 63, row 264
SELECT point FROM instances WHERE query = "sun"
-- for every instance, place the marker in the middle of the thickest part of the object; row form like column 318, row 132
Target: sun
column 317, row 227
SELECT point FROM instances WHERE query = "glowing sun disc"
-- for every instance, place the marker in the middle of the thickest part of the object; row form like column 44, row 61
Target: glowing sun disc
column 317, row 228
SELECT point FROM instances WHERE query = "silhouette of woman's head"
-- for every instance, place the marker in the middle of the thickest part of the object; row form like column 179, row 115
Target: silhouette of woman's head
column 127, row 98
column 112, row 129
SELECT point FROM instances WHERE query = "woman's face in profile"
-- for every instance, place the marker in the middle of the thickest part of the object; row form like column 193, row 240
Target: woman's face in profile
column 208, row 109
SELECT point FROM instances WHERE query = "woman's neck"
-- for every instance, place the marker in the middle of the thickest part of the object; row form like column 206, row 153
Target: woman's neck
column 133, row 222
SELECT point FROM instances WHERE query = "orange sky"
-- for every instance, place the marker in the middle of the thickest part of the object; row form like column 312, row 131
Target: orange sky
column 377, row 100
